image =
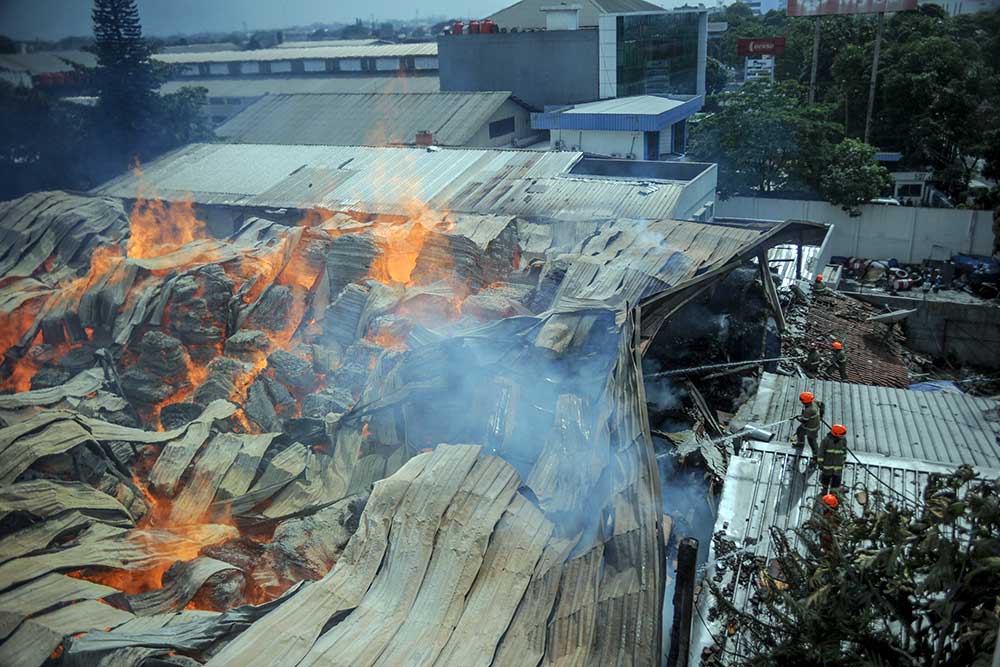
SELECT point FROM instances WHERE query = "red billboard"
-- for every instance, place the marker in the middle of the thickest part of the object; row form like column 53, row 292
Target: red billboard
column 828, row 7
column 761, row 46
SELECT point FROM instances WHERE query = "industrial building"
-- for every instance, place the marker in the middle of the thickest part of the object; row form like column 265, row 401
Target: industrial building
column 558, row 55
column 233, row 180
column 443, row 119
column 228, row 96
column 644, row 127
column 45, row 69
column 311, row 61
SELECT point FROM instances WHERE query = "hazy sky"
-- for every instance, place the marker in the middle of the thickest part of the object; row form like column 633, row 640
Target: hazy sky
column 52, row 19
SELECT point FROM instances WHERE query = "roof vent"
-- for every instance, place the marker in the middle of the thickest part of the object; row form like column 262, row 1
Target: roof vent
column 561, row 17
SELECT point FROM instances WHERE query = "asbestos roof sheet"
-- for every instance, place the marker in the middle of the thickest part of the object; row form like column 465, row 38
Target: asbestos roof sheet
column 311, row 44
column 258, row 86
column 303, row 53
column 937, row 426
column 41, row 62
column 768, row 486
column 389, row 179
column 346, row 118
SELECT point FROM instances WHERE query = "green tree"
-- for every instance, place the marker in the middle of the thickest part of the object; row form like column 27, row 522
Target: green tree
column 891, row 586
column 125, row 78
column 7, row 45
column 852, row 177
column 765, row 138
column 716, row 76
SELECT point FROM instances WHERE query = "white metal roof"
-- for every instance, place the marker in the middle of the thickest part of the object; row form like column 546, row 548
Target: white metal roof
column 311, row 44
column 388, row 179
column 352, row 119
column 644, row 105
column 303, row 53
column 928, row 425
column 258, row 86
column 42, row 62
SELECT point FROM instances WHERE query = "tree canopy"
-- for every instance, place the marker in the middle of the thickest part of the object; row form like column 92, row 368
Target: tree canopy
column 891, row 586
column 852, row 177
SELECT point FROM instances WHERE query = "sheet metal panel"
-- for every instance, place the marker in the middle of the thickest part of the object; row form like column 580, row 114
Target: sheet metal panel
column 932, row 426
column 296, row 53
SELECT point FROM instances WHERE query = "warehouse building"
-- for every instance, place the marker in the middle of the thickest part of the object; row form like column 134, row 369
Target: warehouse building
column 481, row 120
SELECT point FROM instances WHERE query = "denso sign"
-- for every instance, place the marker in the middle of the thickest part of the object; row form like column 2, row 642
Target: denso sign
column 761, row 46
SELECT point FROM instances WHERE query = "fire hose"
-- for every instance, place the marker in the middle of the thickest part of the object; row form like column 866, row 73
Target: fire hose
column 711, row 367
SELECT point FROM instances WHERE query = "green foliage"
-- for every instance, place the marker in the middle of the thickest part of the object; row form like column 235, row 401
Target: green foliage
column 765, row 138
column 852, row 177
column 893, row 586
column 716, row 76
column 7, row 45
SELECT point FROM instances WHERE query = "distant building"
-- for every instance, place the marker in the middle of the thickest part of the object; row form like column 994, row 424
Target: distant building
column 228, row 96
column 204, row 47
column 481, row 120
column 354, row 60
column 572, row 53
column 761, row 7
column 635, row 128
column 46, row 69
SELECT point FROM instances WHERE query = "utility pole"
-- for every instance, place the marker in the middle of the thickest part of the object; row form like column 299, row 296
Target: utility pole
column 871, row 87
column 815, row 62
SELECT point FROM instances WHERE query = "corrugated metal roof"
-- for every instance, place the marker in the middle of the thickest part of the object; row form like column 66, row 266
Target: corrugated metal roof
column 386, row 180
column 312, row 44
column 650, row 105
column 258, row 86
column 41, row 62
column 303, row 53
column 767, row 486
column 206, row 47
column 354, row 119
column 933, row 426
column 528, row 14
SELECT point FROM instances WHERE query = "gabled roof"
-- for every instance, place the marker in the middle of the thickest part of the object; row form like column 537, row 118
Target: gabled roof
column 528, row 14
column 356, row 119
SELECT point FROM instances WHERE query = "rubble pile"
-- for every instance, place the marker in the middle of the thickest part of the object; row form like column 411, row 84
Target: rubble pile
column 193, row 426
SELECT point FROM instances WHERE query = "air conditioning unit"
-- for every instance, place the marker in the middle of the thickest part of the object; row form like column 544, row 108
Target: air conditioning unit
column 630, row 156
column 559, row 144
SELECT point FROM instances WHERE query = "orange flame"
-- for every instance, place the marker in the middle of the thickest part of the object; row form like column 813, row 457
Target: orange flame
column 158, row 228
column 400, row 246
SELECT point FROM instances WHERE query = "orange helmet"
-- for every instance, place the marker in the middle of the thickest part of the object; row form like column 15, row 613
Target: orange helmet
column 837, row 345
column 838, row 430
column 831, row 501
column 806, row 397
column 819, row 278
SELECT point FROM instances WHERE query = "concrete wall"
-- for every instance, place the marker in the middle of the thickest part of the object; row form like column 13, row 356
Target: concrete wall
column 522, row 128
column 600, row 142
column 540, row 68
column 966, row 332
column 910, row 234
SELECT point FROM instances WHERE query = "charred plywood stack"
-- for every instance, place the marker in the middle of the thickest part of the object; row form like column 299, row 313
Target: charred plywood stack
column 436, row 422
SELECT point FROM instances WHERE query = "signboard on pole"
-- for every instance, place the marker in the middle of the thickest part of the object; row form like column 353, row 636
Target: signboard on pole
column 830, row 7
column 758, row 68
column 760, row 46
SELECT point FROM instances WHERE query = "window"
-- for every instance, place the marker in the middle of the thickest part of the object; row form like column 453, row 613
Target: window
column 909, row 190
column 658, row 54
column 498, row 128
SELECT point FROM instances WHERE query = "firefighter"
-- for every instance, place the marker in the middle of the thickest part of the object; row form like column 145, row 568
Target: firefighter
column 818, row 286
column 840, row 359
column 813, row 360
column 831, row 457
column 809, row 421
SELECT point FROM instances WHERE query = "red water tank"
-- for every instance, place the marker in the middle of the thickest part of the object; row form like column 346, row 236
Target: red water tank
column 488, row 26
column 456, row 28
column 473, row 27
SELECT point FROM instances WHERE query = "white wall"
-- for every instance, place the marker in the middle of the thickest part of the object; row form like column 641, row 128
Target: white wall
column 425, row 62
column 218, row 68
column 909, row 234
column 279, row 66
column 387, row 64
column 350, row 65
column 314, row 65
column 250, row 67
column 600, row 142
column 522, row 127
column 666, row 140
column 607, row 56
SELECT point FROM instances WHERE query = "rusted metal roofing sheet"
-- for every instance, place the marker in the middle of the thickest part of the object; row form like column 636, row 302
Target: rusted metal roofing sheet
column 936, row 426
column 363, row 119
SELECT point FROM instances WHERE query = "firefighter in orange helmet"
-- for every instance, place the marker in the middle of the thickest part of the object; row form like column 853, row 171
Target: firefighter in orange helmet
column 831, row 457
column 809, row 421
column 818, row 286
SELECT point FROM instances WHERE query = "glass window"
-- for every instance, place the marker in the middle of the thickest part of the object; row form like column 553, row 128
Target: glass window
column 501, row 127
column 658, row 54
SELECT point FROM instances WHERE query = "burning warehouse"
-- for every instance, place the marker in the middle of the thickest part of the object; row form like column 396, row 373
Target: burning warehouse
column 351, row 406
